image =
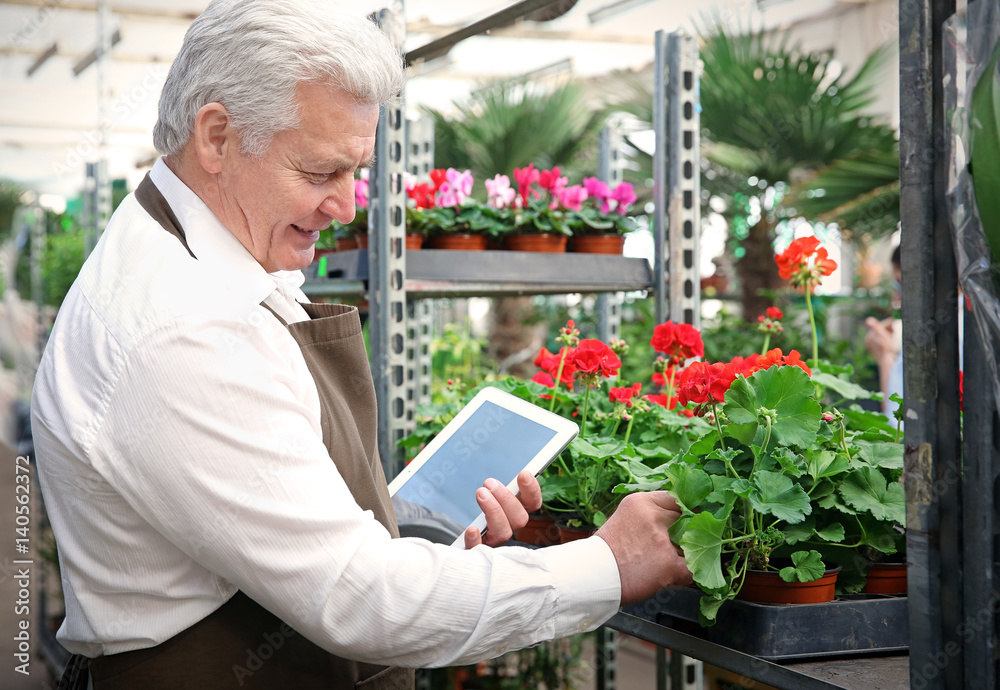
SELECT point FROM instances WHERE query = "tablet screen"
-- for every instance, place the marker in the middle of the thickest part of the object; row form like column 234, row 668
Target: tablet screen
column 494, row 438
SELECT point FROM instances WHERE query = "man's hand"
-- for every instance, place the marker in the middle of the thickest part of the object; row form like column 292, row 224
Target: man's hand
column 880, row 342
column 637, row 534
column 504, row 511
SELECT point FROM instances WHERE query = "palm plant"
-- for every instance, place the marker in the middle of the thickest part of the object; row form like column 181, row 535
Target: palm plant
column 774, row 112
column 510, row 124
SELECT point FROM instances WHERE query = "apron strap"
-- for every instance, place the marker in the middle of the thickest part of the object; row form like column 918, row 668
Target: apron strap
column 76, row 675
column 276, row 315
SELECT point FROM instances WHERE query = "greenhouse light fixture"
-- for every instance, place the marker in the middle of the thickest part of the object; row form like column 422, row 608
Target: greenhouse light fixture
column 91, row 57
column 43, row 58
column 613, row 9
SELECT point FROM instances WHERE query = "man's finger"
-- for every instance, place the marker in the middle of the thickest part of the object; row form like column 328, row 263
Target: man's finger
column 514, row 513
column 664, row 500
column 498, row 529
column 472, row 538
column 530, row 493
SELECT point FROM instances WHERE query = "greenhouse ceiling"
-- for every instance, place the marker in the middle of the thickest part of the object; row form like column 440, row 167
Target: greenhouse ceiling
column 49, row 81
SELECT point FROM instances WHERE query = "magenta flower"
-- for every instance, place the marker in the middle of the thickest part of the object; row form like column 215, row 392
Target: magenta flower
column 550, row 180
column 361, row 190
column 572, row 198
column 500, row 193
column 624, row 194
column 525, row 177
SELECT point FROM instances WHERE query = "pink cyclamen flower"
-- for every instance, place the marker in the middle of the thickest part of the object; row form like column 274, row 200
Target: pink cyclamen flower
column 624, row 194
column 550, row 180
column 456, row 187
column 572, row 198
column 525, row 177
column 501, row 195
column 361, row 193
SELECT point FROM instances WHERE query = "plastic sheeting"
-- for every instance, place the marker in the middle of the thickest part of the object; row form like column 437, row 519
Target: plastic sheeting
column 970, row 38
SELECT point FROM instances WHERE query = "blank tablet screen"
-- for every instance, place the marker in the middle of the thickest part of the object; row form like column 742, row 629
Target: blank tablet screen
column 493, row 442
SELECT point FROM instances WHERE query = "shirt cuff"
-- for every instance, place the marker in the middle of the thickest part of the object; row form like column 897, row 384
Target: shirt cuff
column 586, row 576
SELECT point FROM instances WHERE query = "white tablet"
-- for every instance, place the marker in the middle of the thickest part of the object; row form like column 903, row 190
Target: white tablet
column 496, row 435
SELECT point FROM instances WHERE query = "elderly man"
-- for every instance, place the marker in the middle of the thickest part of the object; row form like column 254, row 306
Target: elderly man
column 206, row 437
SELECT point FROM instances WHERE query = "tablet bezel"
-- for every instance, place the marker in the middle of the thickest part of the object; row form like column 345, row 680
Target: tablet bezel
column 565, row 431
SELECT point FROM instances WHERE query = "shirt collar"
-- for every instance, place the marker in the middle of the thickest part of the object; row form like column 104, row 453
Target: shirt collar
column 213, row 243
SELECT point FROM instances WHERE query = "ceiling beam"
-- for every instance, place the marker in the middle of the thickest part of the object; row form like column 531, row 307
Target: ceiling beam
column 43, row 58
column 424, row 26
column 122, row 10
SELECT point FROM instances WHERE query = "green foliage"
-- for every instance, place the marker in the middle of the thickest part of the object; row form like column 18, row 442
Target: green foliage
column 985, row 151
column 510, row 124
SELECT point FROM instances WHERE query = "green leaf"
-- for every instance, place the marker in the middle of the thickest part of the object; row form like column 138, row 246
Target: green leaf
column 826, row 463
column 581, row 446
column 741, row 487
column 690, row 486
column 887, row 455
column 791, row 462
column 833, row 532
column 639, row 486
column 774, row 494
column 867, row 490
column 709, row 607
column 843, row 387
column 788, row 391
column 862, row 420
column 702, row 545
column 800, row 532
column 984, row 124
column 832, row 501
column 556, row 487
column 807, row 566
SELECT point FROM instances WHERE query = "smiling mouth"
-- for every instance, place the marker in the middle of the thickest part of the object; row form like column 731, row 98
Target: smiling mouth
column 301, row 229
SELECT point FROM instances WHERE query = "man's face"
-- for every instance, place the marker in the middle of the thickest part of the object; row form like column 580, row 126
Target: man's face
column 277, row 204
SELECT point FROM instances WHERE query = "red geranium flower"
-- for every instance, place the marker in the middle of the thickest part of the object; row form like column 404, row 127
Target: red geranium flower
column 773, row 313
column 804, row 263
column 594, row 357
column 678, row 341
column 625, row 393
column 544, row 378
column 549, row 363
column 663, row 401
column 703, row 383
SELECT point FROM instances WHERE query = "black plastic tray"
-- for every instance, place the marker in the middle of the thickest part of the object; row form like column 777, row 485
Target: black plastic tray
column 858, row 624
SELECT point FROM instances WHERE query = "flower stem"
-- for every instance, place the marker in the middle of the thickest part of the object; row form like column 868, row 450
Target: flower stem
column 670, row 389
column 843, row 439
column 767, row 343
column 718, row 425
column 583, row 422
column 628, row 429
column 555, row 384
column 812, row 325
column 618, row 423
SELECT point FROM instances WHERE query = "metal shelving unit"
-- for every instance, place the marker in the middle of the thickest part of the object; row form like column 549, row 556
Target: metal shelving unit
column 399, row 284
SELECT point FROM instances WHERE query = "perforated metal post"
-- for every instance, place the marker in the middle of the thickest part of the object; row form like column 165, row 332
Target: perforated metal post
column 660, row 268
column 420, row 146
column 684, row 178
column 607, row 658
column 609, row 170
column 418, row 351
column 387, row 273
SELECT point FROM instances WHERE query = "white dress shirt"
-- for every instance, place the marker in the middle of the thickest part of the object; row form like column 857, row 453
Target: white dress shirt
column 181, row 458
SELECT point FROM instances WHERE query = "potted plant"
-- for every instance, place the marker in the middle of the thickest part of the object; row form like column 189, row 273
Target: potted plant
column 542, row 204
column 443, row 211
column 599, row 226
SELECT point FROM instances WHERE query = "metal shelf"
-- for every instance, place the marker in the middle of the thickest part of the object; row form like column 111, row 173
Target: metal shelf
column 846, row 673
column 453, row 273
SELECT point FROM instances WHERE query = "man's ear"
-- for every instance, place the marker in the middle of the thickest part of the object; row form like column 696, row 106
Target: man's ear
column 213, row 136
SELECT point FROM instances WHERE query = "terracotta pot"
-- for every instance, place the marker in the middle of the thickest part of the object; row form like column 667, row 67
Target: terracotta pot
column 536, row 242
column 494, row 243
column 597, row 244
column 767, row 587
column 568, row 534
column 325, row 251
column 886, row 578
column 362, row 241
column 540, row 530
column 457, row 240
column 347, row 243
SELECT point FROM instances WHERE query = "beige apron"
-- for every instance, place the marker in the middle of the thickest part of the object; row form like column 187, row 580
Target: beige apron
column 242, row 645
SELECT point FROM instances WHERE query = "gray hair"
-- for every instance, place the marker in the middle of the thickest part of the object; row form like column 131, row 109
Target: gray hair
column 249, row 55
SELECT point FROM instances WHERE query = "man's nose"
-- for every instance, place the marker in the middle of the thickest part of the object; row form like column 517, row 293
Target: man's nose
column 339, row 204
